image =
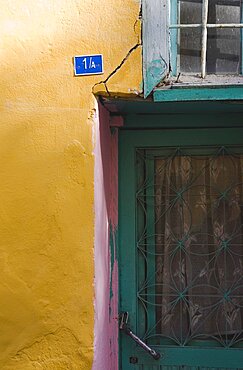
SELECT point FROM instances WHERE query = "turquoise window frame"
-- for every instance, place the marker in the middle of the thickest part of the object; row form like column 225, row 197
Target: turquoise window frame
column 157, row 63
column 214, row 93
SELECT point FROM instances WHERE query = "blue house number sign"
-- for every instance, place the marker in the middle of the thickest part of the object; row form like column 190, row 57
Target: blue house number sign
column 88, row 65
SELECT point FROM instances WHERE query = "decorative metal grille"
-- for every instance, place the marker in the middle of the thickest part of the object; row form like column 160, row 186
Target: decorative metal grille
column 190, row 246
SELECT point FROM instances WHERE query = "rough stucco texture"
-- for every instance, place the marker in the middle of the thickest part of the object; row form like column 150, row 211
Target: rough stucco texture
column 47, row 172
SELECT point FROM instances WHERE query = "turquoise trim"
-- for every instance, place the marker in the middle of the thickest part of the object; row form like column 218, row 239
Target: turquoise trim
column 241, row 37
column 154, row 73
column 126, row 237
column 196, row 359
column 173, row 37
column 144, row 107
column 198, row 94
column 201, row 119
column 113, row 254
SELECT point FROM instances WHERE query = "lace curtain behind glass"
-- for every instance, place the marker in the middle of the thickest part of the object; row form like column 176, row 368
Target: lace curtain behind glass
column 199, row 251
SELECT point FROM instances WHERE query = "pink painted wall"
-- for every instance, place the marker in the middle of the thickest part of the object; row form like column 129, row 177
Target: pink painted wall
column 106, row 221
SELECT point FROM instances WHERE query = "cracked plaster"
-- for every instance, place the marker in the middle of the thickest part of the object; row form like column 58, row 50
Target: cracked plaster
column 119, row 81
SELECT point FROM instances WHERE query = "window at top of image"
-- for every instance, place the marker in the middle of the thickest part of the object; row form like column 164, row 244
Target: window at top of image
column 206, row 37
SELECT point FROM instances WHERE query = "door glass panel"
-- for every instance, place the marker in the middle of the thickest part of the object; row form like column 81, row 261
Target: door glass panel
column 190, row 246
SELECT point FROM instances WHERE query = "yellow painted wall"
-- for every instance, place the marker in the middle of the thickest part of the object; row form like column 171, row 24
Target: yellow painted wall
column 46, row 171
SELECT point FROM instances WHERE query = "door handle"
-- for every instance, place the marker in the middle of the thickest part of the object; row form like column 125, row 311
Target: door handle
column 125, row 328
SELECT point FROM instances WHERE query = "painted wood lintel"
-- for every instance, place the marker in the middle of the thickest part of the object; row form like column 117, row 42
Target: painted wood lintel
column 198, row 94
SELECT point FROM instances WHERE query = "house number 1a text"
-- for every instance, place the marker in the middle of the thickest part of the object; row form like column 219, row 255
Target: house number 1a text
column 88, row 65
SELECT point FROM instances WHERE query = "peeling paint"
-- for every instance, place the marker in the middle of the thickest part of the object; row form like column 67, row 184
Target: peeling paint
column 155, row 73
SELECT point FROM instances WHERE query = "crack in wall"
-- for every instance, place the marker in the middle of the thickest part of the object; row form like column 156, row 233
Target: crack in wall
column 138, row 44
column 116, row 69
column 138, row 20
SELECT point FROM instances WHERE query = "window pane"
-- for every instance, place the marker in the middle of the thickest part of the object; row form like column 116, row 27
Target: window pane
column 224, row 11
column 191, row 11
column 223, row 51
column 190, row 50
column 223, row 45
column 190, row 38
column 223, row 48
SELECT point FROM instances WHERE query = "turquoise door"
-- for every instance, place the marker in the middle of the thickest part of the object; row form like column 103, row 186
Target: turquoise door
column 181, row 248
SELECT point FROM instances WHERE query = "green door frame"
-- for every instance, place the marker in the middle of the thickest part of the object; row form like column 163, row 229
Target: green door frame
column 129, row 140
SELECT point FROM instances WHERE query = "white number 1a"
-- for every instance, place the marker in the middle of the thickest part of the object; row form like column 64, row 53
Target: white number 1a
column 91, row 63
